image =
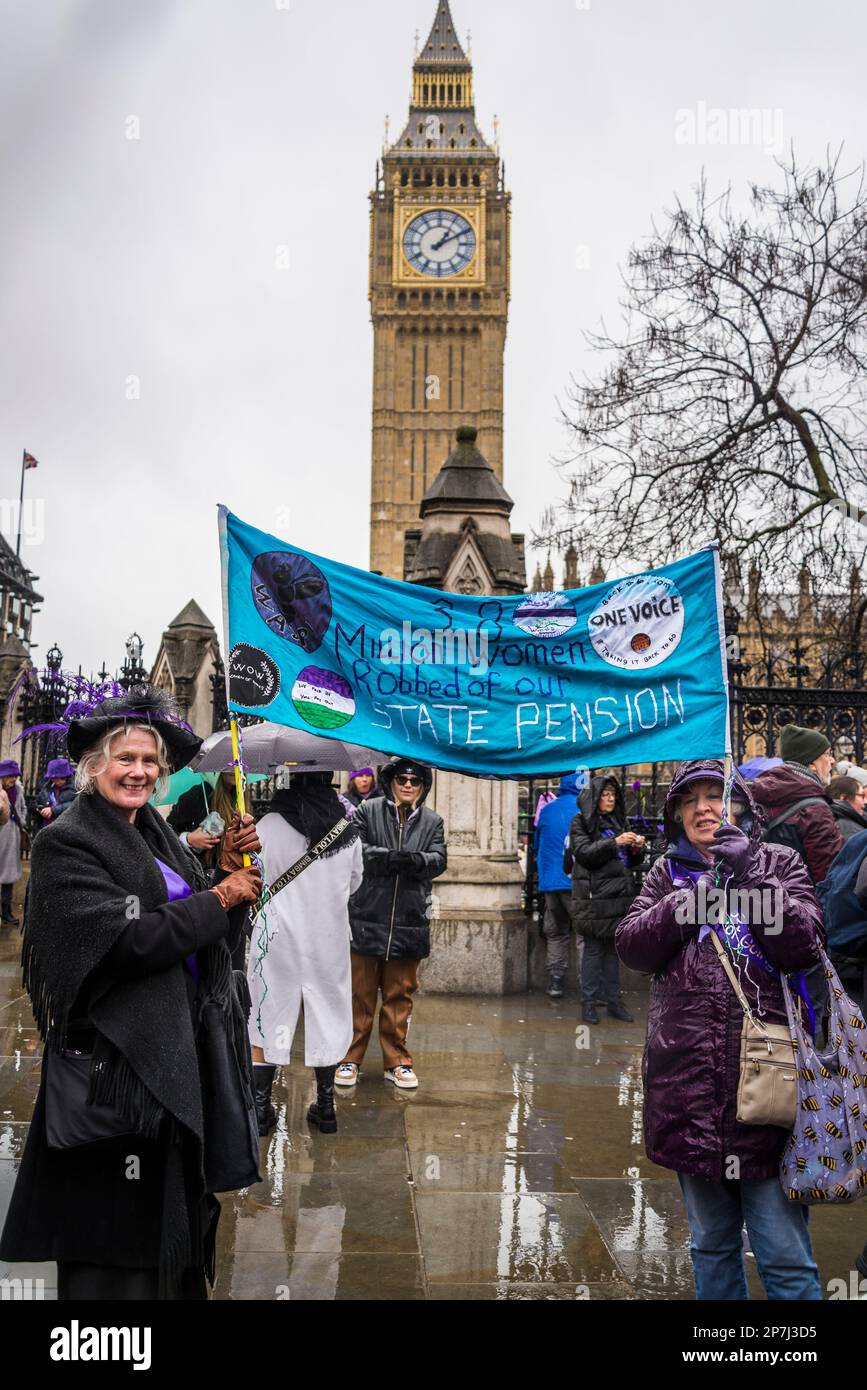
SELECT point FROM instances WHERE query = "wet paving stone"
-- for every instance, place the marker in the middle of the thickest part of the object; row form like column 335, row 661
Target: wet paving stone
column 535, row 1293
column 321, row 1277
column 474, row 1124
column 524, row 1238
column 452, row 1171
column 288, row 1158
column 19, row 1084
column 324, row 1213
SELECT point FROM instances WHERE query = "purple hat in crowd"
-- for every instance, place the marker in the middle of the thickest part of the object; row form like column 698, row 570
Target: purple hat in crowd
column 59, row 767
column 9, row 768
column 362, row 772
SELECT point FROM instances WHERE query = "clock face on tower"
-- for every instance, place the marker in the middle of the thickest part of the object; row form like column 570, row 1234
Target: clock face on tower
column 439, row 242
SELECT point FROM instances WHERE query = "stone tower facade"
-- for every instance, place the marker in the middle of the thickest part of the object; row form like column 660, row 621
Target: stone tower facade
column 439, row 291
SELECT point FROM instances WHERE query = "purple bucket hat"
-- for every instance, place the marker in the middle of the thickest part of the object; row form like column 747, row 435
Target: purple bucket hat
column 706, row 769
column 9, row 768
column 59, row 767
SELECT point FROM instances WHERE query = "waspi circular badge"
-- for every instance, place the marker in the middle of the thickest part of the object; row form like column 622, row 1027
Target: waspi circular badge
column 638, row 623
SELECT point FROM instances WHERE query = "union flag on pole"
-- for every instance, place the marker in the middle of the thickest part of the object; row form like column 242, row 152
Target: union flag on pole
column 30, row 461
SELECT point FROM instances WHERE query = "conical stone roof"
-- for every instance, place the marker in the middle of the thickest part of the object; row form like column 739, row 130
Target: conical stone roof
column 466, row 480
column 443, row 45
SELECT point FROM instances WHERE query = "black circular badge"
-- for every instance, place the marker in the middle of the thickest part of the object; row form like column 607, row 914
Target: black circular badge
column 254, row 679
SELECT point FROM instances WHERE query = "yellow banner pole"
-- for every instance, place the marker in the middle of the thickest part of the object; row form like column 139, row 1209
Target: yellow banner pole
column 239, row 778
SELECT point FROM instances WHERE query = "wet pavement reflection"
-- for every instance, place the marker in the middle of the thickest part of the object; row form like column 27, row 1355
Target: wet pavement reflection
column 516, row 1171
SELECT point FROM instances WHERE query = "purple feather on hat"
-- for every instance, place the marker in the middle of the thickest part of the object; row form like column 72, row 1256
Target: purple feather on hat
column 89, row 697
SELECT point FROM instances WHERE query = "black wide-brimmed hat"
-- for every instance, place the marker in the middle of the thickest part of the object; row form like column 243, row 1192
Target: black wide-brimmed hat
column 142, row 704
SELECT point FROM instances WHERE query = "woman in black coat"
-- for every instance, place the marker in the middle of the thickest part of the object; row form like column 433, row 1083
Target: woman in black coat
column 404, row 850
column 128, row 970
column 603, row 854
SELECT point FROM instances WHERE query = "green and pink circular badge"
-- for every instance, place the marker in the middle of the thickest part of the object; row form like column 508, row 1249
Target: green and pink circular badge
column 323, row 698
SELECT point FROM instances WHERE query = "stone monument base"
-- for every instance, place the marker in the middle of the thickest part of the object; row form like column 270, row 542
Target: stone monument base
column 485, row 953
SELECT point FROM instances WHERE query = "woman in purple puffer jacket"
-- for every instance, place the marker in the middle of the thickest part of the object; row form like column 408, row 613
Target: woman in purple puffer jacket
column 728, row 1171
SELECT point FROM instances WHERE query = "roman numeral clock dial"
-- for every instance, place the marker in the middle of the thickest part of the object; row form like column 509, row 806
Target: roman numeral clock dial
column 439, row 243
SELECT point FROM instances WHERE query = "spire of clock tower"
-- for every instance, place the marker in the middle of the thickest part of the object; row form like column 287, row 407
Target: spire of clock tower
column 443, row 44
column 439, row 291
column 442, row 112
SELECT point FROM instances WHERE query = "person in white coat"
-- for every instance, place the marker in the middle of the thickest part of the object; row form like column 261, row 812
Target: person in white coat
column 299, row 949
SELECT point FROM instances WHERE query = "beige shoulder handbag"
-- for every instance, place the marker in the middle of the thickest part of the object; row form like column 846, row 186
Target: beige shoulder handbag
column 768, row 1085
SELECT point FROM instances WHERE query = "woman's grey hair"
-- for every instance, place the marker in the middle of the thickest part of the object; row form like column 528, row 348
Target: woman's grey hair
column 97, row 758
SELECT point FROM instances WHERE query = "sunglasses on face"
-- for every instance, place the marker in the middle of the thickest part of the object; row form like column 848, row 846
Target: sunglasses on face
column 408, row 781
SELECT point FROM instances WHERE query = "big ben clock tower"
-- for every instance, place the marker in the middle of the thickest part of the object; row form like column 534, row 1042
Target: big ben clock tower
column 439, row 291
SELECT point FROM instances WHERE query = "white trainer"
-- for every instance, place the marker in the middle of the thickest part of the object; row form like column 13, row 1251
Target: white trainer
column 403, row 1077
column 346, row 1074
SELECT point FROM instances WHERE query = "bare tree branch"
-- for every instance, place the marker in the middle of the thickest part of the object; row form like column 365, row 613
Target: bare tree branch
column 732, row 406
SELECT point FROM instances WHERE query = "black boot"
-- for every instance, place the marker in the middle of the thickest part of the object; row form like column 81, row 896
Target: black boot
column 6, row 913
column 589, row 1014
column 619, row 1010
column 263, row 1080
column 554, row 989
column 322, row 1112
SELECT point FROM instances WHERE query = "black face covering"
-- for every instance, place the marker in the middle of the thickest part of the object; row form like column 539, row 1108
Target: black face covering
column 312, row 807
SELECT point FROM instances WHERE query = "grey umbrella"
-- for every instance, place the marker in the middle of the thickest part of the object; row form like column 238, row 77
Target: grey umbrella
column 267, row 747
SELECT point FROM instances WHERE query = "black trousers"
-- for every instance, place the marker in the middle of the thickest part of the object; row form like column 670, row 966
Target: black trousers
column 108, row 1283
column 6, row 900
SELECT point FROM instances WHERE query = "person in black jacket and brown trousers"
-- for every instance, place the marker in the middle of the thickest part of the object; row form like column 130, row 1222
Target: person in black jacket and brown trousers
column 603, row 853
column 404, row 849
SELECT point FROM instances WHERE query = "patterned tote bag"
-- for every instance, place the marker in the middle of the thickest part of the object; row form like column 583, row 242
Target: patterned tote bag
column 825, row 1160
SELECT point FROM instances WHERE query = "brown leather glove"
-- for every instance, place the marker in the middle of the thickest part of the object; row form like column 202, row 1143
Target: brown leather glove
column 240, row 839
column 242, row 886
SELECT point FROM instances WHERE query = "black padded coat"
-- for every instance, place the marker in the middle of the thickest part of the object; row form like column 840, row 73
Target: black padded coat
column 390, row 913
column 603, row 886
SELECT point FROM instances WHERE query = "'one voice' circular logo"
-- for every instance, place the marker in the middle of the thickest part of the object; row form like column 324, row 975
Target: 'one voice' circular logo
column 323, row 698
column 638, row 623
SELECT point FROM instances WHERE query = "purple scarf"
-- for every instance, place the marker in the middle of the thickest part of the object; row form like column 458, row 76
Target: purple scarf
column 178, row 889
column 735, row 935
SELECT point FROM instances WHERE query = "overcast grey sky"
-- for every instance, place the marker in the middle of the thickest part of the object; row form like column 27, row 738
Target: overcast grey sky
column 155, row 357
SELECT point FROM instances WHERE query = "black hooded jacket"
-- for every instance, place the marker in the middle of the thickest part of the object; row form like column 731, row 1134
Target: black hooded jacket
column 390, row 913
column 603, row 886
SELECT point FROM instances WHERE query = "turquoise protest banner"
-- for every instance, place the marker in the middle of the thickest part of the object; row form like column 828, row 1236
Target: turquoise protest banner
column 629, row 671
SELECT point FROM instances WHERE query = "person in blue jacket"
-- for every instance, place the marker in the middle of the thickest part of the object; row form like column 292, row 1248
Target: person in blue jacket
column 552, row 831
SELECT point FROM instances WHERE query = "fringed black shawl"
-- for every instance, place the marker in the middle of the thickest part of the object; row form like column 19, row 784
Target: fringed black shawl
column 92, row 872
